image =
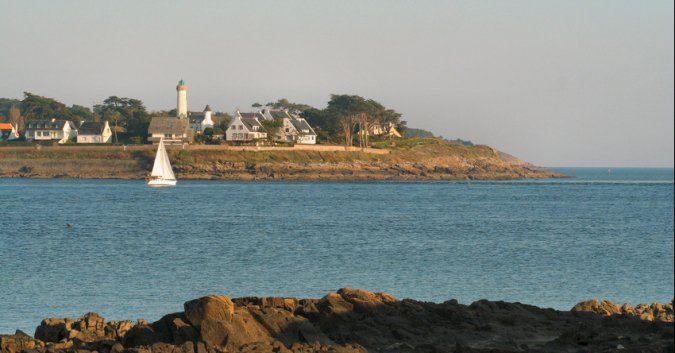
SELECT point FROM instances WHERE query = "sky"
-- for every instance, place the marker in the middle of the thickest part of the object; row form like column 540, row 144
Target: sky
column 556, row 83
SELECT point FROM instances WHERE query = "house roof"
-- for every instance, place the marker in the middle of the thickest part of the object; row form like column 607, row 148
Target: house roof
column 207, row 109
column 6, row 126
column 48, row 124
column 168, row 125
column 91, row 128
column 252, row 115
column 279, row 114
column 251, row 122
column 301, row 124
column 196, row 119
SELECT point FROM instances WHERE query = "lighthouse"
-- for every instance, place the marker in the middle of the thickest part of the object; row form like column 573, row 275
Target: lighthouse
column 182, row 106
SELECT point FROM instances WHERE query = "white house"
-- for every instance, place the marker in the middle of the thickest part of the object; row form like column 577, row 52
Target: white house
column 245, row 127
column 386, row 130
column 55, row 130
column 294, row 129
column 300, row 131
column 200, row 121
column 94, row 132
column 8, row 132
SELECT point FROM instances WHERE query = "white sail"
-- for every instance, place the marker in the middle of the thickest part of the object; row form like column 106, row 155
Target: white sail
column 162, row 167
column 168, row 171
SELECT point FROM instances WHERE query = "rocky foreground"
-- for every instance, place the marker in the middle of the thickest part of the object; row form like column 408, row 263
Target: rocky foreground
column 354, row 321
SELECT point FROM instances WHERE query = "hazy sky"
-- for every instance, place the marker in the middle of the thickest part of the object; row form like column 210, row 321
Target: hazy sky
column 557, row 83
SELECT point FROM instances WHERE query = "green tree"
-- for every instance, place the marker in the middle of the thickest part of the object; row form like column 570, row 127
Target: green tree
column 81, row 113
column 283, row 103
column 272, row 127
column 6, row 104
column 38, row 107
column 128, row 113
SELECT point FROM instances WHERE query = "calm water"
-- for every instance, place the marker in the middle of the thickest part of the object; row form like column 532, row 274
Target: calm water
column 139, row 252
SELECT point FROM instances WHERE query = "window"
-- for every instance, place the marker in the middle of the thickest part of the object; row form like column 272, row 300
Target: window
column 288, row 130
column 241, row 127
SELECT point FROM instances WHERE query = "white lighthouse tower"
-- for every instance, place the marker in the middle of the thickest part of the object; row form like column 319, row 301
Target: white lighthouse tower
column 182, row 107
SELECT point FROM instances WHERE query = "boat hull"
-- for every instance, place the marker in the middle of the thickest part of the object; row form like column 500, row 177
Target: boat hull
column 158, row 183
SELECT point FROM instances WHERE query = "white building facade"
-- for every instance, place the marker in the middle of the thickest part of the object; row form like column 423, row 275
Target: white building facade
column 245, row 127
column 93, row 132
column 60, row 131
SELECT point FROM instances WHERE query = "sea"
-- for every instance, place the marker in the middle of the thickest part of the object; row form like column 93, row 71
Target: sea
column 126, row 251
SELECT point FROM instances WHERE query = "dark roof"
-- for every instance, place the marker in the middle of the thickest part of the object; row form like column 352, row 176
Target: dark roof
column 301, row 124
column 251, row 122
column 196, row 119
column 279, row 114
column 168, row 125
column 91, row 128
column 207, row 109
column 252, row 115
column 48, row 124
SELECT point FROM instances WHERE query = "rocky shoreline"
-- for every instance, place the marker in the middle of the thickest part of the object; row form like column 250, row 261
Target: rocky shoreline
column 436, row 160
column 357, row 321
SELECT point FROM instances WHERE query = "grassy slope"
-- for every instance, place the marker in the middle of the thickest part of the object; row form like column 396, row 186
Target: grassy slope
column 409, row 159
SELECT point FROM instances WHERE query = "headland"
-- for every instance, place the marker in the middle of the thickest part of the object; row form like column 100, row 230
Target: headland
column 408, row 159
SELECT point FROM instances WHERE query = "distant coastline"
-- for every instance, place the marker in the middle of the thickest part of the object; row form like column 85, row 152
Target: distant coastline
column 421, row 159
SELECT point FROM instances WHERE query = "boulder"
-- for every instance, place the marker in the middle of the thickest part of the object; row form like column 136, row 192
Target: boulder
column 215, row 307
column 53, row 329
column 18, row 342
column 215, row 332
column 334, row 304
column 183, row 332
column 363, row 300
column 117, row 329
column 605, row 308
column 141, row 335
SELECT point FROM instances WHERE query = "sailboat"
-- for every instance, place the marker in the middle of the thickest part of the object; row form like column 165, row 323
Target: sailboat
column 162, row 174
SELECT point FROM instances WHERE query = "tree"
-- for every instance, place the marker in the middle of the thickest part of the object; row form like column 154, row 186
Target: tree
column 256, row 105
column 38, row 107
column 272, row 127
column 81, row 113
column 6, row 104
column 128, row 113
column 15, row 117
column 283, row 103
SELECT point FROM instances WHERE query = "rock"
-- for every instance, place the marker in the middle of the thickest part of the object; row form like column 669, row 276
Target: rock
column 52, row 330
column 91, row 327
column 88, row 328
column 140, row 335
column 183, row 332
column 18, row 342
column 605, row 308
column 216, row 307
column 626, row 309
column 357, row 321
column 334, row 304
column 215, row 332
column 363, row 300
column 117, row 329
column 654, row 312
column 116, row 348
